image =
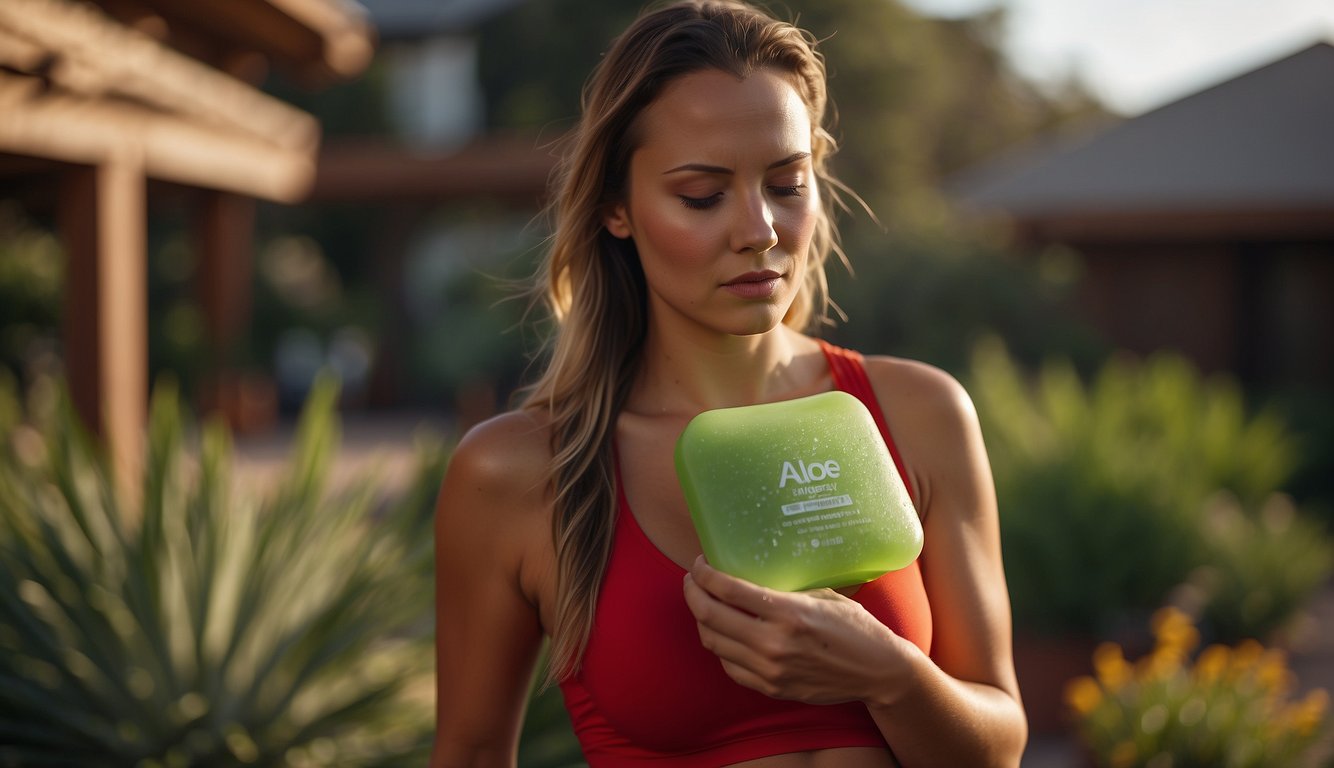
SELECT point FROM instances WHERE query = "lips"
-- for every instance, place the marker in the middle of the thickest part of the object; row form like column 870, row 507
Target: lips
column 754, row 285
column 754, row 277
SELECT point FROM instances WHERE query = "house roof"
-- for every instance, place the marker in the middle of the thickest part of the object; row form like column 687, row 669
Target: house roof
column 1258, row 142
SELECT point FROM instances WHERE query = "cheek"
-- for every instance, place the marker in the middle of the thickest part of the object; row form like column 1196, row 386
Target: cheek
column 671, row 232
column 797, row 226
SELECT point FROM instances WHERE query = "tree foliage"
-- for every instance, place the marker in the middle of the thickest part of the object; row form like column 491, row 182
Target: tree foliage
column 917, row 98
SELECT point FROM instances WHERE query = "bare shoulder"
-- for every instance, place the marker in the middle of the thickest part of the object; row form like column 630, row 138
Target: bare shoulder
column 507, row 454
column 914, row 387
column 933, row 422
column 493, row 512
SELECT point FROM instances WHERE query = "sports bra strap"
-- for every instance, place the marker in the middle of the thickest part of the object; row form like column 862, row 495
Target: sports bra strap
column 849, row 372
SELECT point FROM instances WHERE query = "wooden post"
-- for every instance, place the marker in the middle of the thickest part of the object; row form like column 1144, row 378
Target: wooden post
column 102, row 222
column 225, row 242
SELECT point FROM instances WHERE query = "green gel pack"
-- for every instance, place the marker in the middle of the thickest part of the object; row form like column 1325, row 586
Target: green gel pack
column 798, row 494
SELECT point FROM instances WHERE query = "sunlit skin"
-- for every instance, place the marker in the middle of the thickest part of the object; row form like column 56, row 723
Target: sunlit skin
column 721, row 204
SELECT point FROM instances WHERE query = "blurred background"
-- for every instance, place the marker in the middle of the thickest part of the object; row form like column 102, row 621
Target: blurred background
column 290, row 220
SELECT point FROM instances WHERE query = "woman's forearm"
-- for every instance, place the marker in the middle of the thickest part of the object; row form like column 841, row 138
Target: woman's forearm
column 937, row 720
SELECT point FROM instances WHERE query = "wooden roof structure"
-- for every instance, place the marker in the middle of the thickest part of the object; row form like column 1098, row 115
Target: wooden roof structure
column 97, row 97
column 384, row 171
column 507, row 169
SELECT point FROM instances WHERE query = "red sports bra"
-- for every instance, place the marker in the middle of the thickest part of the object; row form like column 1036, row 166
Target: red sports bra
column 647, row 693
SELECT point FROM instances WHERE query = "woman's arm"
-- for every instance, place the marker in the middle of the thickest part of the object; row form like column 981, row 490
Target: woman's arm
column 967, row 691
column 961, row 705
column 488, row 630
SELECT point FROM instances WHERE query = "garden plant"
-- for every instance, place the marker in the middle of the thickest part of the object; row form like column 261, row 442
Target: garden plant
column 1227, row 707
column 206, row 625
column 1117, row 491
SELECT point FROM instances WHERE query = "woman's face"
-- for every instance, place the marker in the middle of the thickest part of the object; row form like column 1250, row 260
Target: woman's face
column 721, row 201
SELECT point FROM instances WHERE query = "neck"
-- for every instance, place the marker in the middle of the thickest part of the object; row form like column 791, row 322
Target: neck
column 683, row 374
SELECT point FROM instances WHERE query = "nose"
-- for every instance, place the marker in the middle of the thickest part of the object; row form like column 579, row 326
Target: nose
column 754, row 228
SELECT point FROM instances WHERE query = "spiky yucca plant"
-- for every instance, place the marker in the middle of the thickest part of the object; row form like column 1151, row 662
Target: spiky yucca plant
column 210, row 627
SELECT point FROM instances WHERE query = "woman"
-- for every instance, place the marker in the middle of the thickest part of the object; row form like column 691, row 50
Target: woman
column 692, row 224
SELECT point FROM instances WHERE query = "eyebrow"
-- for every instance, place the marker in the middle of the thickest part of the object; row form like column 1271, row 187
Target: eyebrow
column 703, row 168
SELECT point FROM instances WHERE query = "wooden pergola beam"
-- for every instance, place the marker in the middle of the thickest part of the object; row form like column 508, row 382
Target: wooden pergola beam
column 516, row 170
column 324, row 40
column 86, row 53
column 58, row 126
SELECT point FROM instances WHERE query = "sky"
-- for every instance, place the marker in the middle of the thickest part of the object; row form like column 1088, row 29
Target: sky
column 1140, row 54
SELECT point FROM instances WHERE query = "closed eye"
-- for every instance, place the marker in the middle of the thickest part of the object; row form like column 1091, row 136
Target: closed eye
column 701, row 203
column 793, row 190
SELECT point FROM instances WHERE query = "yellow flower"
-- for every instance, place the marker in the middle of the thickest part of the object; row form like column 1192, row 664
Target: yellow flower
column 1158, row 665
column 1123, row 755
column 1083, row 695
column 1310, row 712
column 1174, row 632
column 1109, row 662
column 1212, row 663
column 1245, row 656
column 1168, row 619
column 1272, row 672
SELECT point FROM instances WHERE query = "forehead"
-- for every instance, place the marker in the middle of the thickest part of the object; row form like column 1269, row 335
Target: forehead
column 715, row 113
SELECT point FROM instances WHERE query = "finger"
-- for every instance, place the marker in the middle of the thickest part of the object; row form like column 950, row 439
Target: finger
column 718, row 616
column 738, row 593
column 742, row 660
column 731, row 651
column 744, row 676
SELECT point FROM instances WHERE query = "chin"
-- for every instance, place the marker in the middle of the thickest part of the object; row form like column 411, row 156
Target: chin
column 758, row 324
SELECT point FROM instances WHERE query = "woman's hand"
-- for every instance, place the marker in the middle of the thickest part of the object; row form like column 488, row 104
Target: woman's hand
column 818, row 646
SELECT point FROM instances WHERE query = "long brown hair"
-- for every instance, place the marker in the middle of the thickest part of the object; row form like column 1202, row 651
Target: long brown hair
column 593, row 285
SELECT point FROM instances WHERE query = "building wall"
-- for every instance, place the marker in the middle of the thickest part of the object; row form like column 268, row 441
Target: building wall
column 1261, row 310
column 1297, row 296
column 1153, row 297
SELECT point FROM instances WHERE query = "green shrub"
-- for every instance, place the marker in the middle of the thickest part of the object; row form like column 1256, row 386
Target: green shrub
column 1260, row 569
column 951, row 291
column 203, row 627
column 1102, row 486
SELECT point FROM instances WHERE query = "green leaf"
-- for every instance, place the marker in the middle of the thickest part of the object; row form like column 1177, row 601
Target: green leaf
column 223, row 626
